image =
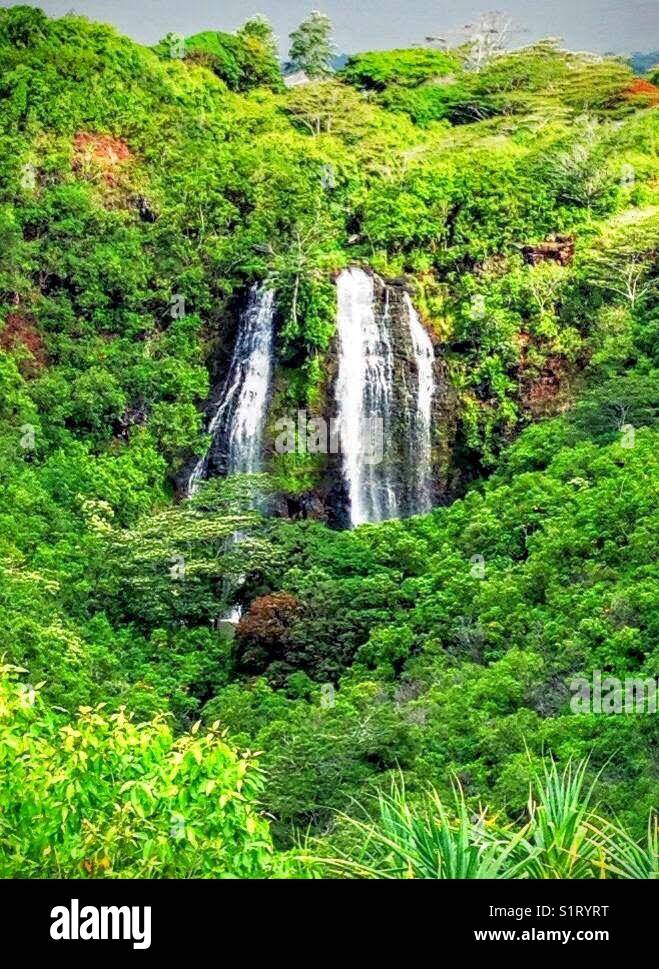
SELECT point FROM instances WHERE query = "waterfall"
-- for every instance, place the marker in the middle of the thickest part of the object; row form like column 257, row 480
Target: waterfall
column 385, row 386
column 364, row 396
column 238, row 422
column 420, row 439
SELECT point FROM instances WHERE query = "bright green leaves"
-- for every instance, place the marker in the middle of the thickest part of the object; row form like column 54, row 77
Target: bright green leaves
column 101, row 795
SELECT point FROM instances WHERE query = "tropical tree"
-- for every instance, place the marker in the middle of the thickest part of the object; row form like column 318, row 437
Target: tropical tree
column 626, row 265
column 580, row 174
column 311, row 46
column 487, row 37
column 261, row 52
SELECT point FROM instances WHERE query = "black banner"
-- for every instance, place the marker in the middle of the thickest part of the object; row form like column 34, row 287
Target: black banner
column 266, row 919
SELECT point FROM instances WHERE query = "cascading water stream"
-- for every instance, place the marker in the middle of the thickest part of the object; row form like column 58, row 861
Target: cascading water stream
column 364, row 396
column 238, row 423
column 420, row 439
column 378, row 345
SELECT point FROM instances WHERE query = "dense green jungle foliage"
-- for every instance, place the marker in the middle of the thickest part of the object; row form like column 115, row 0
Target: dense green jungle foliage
column 404, row 674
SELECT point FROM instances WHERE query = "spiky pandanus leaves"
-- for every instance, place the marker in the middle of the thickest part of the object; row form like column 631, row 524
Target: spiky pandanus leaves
column 430, row 843
column 562, row 825
column 562, row 838
column 625, row 857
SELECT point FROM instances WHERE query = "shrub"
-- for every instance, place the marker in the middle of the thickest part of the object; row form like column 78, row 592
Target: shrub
column 100, row 795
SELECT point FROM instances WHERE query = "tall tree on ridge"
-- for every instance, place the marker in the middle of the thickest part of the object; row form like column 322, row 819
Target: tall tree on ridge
column 311, row 46
column 259, row 28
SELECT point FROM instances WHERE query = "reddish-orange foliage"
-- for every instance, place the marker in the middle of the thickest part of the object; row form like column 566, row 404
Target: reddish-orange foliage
column 104, row 151
column 269, row 617
column 20, row 331
column 263, row 634
column 639, row 88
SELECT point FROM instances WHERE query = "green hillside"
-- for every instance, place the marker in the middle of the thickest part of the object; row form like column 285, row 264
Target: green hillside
column 520, row 203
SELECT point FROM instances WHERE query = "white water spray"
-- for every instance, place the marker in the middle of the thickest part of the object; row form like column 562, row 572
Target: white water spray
column 421, row 440
column 238, row 423
column 373, row 350
column 363, row 393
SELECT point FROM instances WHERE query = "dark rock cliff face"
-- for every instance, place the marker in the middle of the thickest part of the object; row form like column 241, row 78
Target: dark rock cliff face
column 558, row 248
